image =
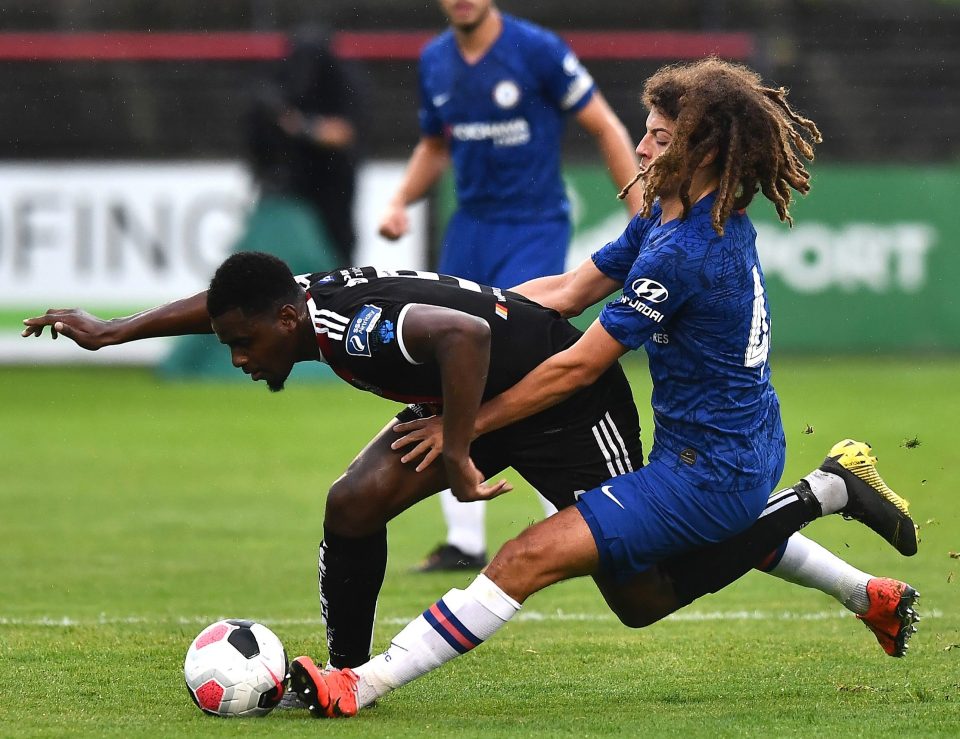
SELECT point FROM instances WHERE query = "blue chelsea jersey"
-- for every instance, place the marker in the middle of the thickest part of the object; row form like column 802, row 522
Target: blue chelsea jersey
column 503, row 118
column 697, row 303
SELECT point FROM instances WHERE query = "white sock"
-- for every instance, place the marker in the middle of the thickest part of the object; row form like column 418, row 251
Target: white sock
column 455, row 624
column 807, row 563
column 465, row 524
column 829, row 489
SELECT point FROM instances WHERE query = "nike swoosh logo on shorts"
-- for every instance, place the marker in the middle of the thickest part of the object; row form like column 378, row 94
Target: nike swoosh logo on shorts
column 439, row 100
column 605, row 489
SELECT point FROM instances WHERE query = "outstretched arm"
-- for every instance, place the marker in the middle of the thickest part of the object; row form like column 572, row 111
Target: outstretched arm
column 460, row 345
column 572, row 292
column 185, row 316
column 552, row 381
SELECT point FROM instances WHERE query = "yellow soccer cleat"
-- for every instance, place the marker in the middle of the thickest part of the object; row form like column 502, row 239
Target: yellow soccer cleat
column 869, row 498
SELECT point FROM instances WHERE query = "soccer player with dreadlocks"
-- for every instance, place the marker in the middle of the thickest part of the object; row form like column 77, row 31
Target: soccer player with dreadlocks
column 693, row 296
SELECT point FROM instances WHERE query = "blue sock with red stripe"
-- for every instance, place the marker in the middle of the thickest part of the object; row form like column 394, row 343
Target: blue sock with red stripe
column 455, row 624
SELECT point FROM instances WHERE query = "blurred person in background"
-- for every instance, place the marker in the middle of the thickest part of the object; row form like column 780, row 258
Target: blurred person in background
column 302, row 132
column 303, row 135
column 495, row 94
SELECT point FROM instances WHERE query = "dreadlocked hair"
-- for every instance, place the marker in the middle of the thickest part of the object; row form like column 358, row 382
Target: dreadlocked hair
column 759, row 138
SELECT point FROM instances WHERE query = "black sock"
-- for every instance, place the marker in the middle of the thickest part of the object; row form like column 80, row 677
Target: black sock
column 709, row 569
column 351, row 573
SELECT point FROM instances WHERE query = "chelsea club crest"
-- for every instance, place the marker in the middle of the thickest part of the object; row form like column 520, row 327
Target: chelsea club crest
column 506, row 94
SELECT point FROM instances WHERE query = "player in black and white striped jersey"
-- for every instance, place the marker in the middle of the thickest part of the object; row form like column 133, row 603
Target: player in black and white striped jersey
column 362, row 317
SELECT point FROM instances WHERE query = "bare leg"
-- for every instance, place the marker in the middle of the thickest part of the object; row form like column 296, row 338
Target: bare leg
column 555, row 549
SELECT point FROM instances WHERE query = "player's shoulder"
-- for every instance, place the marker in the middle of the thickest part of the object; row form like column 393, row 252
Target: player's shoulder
column 698, row 228
column 713, row 256
column 311, row 279
column 640, row 224
column 437, row 47
column 689, row 239
column 345, row 281
column 740, row 226
column 530, row 33
column 636, row 230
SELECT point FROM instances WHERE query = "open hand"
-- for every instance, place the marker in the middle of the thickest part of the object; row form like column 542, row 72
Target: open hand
column 467, row 485
column 88, row 331
column 426, row 437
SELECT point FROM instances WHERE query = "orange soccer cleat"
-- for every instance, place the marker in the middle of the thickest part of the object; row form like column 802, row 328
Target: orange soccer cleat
column 891, row 616
column 326, row 693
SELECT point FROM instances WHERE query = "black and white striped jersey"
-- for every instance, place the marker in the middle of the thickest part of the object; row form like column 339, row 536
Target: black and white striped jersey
column 573, row 446
column 358, row 315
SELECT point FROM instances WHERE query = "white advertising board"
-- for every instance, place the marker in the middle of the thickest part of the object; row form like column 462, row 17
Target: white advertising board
column 134, row 234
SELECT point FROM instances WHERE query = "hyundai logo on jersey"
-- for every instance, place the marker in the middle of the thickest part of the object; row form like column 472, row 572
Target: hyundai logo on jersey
column 357, row 340
column 649, row 290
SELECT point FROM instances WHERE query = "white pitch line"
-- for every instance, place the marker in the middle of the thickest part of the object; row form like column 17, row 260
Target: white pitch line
column 695, row 616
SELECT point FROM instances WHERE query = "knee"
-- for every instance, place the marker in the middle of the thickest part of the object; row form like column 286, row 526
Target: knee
column 351, row 508
column 518, row 569
column 643, row 601
column 637, row 618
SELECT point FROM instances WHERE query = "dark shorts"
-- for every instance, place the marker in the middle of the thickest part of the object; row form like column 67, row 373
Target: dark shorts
column 568, row 449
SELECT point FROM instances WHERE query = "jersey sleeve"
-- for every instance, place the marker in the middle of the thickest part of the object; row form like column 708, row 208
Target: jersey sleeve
column 617, row 257
column 655, row 289
column 374, row 333
column 362, row 328
column 567, row 81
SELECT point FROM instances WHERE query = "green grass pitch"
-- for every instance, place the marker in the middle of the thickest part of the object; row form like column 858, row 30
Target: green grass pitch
column 135, row 512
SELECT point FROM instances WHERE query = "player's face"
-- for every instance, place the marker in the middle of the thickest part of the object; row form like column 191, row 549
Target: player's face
column 264, row 346
column 658, row 137
column 465, row 15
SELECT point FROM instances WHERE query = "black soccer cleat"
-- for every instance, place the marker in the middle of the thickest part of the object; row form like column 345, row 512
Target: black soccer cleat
column 869, row 499
column 448, row 558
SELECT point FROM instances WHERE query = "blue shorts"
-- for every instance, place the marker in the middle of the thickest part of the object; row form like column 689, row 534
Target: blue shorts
column 644, row 517
column 502, row 254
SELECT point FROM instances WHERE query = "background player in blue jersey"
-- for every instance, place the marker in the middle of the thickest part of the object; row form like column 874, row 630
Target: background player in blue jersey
column 693, row 296
column 495, row 94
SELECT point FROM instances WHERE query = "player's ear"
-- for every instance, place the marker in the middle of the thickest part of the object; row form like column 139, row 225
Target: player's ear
column 710, row 158
column 288, row 317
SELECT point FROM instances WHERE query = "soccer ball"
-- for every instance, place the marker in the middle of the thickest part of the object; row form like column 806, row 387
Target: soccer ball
column 235, row 668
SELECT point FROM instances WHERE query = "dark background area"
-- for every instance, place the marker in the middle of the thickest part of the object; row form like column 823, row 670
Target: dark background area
column 882, row 78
